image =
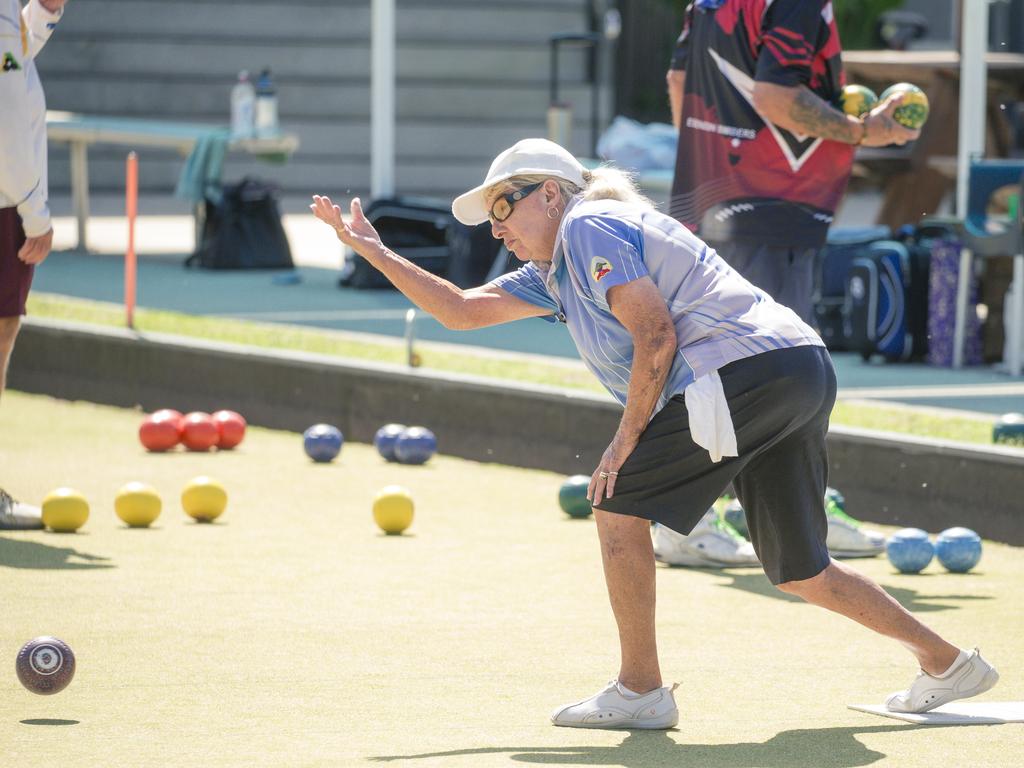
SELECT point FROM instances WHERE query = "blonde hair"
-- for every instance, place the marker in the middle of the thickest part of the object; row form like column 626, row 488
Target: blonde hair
column 601, row 183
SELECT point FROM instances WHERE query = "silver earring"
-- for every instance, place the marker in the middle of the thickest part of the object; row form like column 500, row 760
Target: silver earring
column 554, row 211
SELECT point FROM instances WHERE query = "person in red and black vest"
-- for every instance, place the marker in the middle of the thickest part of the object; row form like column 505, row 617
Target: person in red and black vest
column 764, row 156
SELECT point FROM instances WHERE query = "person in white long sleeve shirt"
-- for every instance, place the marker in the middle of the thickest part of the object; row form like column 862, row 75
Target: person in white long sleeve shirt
column 25, row 229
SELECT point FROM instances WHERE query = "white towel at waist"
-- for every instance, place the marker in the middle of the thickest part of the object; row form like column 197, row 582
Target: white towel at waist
column 710, row 420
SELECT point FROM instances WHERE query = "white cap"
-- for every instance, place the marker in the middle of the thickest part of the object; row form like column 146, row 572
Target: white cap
column 528, row 157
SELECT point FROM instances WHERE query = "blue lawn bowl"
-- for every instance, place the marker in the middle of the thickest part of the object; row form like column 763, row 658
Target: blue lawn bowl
column 958, row 549
column 322, row 442
column 385, row 439
column 415, row 446
column 909, row 550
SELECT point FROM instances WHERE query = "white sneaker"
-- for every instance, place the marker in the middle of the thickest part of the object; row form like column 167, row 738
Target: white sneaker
column 15, row 516
column 974, row 675
column 848, row 538
column 612, row 708
column 712, row 543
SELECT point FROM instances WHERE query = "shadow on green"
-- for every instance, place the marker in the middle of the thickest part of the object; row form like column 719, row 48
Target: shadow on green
column 819, row 747
column 18, row 553
column 47, row 721
column 755, row 582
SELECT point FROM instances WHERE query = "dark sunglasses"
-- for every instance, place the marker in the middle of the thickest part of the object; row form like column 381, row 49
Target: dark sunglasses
column 503, row 206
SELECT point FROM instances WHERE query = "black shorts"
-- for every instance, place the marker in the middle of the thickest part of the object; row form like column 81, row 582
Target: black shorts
column 15, row 275
column 786, row 273
column 780, row 403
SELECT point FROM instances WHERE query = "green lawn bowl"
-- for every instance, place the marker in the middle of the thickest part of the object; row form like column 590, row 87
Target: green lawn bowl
column 572, row 497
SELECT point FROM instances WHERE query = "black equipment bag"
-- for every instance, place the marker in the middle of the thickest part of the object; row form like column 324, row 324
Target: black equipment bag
column 414, row 228
column 887, row 302
column 243, row 230
column 843, row 246
column 472, row 253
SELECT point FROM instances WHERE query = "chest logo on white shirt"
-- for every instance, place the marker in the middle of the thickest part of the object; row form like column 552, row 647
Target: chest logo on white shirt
column 9, row 64
column 599, row 268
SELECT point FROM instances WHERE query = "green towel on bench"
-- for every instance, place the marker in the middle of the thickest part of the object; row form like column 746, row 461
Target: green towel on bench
column 200, row 178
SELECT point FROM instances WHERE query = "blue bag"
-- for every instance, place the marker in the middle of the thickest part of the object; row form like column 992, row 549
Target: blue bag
column 887, row 302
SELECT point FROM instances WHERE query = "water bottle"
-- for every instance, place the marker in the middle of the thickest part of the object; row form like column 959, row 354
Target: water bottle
column 266, row 106
column 243, row 107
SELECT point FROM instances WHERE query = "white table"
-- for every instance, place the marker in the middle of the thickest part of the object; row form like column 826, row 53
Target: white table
column 80, row 131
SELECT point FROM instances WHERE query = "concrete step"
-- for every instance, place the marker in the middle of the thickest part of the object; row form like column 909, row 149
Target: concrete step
column 336, row 22
column 173, row 97
column 472, row 78
column 221, row 59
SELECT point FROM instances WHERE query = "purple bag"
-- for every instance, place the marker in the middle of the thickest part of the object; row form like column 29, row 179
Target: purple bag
column 945, row 268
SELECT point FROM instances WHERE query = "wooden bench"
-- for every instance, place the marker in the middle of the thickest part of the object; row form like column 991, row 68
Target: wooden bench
column 80, row 131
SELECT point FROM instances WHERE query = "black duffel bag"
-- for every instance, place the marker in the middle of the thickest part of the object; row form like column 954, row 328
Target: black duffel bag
column 243, row 230
column 413, row 227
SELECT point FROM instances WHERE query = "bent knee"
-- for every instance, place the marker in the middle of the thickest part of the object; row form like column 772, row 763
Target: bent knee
column 804, row 587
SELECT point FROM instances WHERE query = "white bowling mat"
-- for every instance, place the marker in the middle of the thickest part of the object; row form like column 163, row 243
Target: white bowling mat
column 955, row 713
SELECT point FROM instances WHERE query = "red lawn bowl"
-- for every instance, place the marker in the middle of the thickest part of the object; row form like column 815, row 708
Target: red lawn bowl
column 230, row 429
column 200, row 433
column 159, row 433
column 169, row 414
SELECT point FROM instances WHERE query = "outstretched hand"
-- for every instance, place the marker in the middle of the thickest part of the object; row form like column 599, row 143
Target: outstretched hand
column 881, row 128
column 358, row 234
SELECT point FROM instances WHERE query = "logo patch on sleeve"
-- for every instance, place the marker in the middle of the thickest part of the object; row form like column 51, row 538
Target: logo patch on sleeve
column 599, row 268
column 8, row 63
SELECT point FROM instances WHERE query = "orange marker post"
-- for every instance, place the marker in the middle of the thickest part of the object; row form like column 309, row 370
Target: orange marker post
column 131, row 200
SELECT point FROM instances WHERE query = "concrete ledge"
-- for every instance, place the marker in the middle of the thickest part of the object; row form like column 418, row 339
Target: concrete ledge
column 886, row 478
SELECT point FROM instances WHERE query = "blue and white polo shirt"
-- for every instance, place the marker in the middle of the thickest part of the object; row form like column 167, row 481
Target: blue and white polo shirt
column 718, row 315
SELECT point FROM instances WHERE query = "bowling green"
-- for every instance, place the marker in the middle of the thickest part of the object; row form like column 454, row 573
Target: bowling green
column 293, row 633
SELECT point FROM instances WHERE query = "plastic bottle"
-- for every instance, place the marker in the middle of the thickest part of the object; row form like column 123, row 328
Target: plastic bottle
column 243, row 107
column 266, row 106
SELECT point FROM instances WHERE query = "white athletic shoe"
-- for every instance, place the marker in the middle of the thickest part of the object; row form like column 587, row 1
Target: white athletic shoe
column 15, row 516
column 611, row 708
column 974, row 675
column 848, row 538
column 712, row 543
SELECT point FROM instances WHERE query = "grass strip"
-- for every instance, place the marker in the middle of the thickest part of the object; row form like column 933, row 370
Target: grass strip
column 886, row 417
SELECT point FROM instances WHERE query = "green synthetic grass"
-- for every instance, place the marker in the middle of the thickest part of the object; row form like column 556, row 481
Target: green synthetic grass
column 292, row 633
column 913, row 422
column 276, row 336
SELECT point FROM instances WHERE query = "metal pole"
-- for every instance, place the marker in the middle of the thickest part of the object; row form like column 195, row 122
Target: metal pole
column 411, row 358
column 382, row 89
column 973, row 93
column 80, row 190
column 971, row 143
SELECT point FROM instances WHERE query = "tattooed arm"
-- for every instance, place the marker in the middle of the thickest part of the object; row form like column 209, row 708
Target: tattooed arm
column 799, row 110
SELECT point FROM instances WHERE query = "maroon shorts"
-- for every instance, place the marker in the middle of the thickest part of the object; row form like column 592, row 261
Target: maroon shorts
column 15, row 275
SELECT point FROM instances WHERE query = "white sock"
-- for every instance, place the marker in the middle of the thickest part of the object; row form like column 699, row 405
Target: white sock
column 627, row 692
column 960, row 659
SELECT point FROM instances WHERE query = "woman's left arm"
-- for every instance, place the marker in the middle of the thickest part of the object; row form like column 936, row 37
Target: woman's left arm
column 640, row 307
